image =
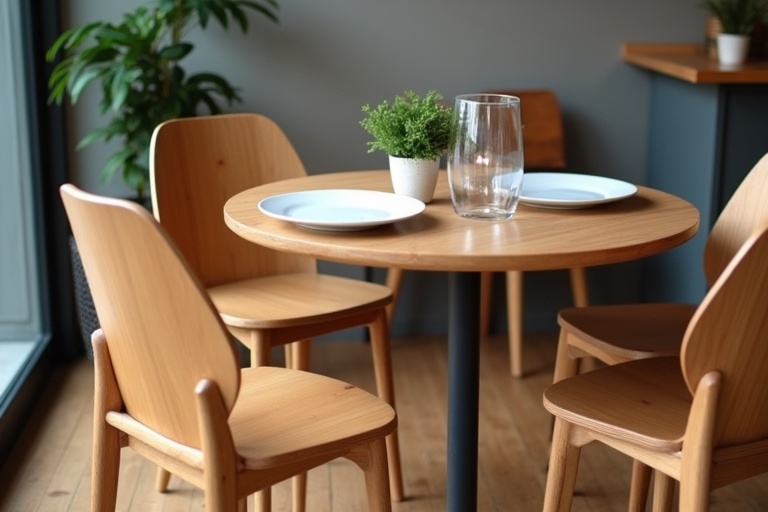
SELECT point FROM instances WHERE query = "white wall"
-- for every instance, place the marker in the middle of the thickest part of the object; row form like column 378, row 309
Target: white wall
column 314, row 71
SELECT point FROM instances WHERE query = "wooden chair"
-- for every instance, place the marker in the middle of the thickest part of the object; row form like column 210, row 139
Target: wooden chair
column 700, row 418
column 625, row 332
column 544, row 142
column 169, row 385
column 266, row 298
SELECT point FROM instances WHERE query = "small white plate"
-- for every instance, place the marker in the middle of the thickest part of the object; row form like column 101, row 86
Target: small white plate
column 567, row 190
column 341, row 209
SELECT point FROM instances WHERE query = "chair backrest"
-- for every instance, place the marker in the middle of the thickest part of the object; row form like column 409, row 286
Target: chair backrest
column 746, row 210
column 729, row 334
column 196, row 165
column 162, row 332
column 543, row 133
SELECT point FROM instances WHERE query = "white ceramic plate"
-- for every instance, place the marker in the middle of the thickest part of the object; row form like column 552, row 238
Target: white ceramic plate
column 341, row 209
column 567, row 190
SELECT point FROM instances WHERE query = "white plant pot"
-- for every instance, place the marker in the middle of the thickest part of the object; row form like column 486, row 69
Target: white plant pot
column 732, row 49
column 414, row 177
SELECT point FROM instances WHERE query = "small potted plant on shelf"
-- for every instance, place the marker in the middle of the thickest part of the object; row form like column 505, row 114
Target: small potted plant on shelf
column 414, row 132
column 737, row 20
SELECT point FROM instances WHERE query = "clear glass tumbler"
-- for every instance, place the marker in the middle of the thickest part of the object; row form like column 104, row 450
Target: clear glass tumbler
column 485, row 161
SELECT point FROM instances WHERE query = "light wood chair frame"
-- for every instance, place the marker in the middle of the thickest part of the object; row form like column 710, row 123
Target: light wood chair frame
column 625, row 332
column 700, row 418
column 266, row 299
column 168, row 382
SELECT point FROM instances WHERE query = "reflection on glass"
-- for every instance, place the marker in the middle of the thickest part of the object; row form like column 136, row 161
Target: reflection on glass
column 485, row 161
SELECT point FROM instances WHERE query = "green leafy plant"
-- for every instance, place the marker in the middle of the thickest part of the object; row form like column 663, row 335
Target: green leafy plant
column 409, row 127
column 737, row 16
column 137, row 64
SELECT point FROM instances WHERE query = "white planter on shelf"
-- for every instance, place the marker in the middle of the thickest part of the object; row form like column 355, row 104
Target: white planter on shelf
column 414, row 177
column 732, row 49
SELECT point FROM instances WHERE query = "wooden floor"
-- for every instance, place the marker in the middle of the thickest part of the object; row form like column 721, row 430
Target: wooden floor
column 50, row 470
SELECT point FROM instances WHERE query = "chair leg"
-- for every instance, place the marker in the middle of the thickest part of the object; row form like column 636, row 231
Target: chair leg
column 261, row 355
column 696, row 465
column 515, row 321
column 105, row 465
column 261, row 348
column 563, row 466
column 382, row 367
column 372, row 459
column 221, row 459
column 579, row 287
column 162, row 478
column 581, row 300
column 486, row 302
column 299, row 492
column 394, row 283
column 298, row 357
column 262, row 500
column 565, row 365
column 663, row 492
column 639, row 485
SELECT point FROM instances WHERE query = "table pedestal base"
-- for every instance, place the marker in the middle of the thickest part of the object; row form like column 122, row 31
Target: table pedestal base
column 463, row 389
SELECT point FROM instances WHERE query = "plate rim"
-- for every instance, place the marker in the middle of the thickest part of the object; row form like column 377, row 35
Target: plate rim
column 576, row 203
column 417, row 207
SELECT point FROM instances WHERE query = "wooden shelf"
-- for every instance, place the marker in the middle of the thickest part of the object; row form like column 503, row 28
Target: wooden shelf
column 690, row 62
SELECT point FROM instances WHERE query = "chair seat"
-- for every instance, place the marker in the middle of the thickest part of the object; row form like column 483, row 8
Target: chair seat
column 626, row 332
column 285, row 416
column 295, row 299
column 654, row 417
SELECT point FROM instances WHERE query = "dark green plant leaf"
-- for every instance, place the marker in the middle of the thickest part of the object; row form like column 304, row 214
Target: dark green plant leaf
column 202, row 13
column 264, row 10
column 100, row 133
column 200, row 79
column 115, row 162
column 57, row 82
column 95, row 55
column 71, row 38
column 112, row 35
column 210, row 103
column 176, row 51
column 136, row 177
column 240, row 17
column 83, row 80
column 220, row 14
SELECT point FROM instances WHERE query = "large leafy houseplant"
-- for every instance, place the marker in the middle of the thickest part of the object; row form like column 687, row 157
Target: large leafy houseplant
column 137, row 63
column 410, row 126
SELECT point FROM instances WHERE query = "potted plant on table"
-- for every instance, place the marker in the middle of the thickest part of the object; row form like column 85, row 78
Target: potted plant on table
column 737, row 19
column 137, row 64
column 414, row 132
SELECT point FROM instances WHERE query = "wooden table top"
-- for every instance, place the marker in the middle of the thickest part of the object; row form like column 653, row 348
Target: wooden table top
column 438, row 239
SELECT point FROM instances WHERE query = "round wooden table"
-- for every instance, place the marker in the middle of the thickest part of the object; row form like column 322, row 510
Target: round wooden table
column 437, row 239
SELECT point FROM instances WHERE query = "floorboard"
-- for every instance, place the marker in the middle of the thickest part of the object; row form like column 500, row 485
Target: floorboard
column 49, row 471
